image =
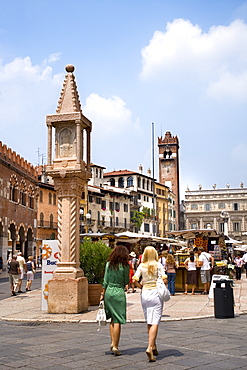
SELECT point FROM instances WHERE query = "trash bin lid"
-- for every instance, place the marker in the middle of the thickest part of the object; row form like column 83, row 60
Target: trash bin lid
column 223, row 281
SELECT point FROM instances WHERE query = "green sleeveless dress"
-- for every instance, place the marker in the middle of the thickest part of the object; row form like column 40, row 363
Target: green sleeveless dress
column 115, row 298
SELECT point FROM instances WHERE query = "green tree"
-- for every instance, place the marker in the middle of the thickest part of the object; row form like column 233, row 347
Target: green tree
column 93, row 258
column 137, row 219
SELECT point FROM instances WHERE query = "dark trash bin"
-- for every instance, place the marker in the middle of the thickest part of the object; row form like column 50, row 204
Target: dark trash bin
column 223, row 299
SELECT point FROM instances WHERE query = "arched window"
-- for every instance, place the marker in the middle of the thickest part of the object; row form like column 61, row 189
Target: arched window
column 54, row 199
column 130, row 181
column 138, row 182
column 13, row 188
column 23, row 197
column 51, row 221
column 41, row 219
column 143, row 184
column 23, row 193
column 121, row 182
column 31, row 197
column 147, row 185
column 50, row 198
column 41, row 196
column 112, row 182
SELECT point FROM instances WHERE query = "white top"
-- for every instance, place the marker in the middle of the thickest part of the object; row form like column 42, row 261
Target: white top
column 191, row 265
column 162, row 260
column 205, row 258
column 21, row 261
column 148, row 281
column 244, row 258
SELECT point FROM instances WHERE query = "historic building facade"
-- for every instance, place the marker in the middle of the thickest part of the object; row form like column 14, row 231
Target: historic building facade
column 143, row 198
column 18, row 204
column 216, row 207
column 108, row 208
column 166, row 209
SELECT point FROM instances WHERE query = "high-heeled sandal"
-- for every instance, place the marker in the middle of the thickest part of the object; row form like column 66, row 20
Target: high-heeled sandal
column 116, row 352
column 150, row 355
column 155, row 351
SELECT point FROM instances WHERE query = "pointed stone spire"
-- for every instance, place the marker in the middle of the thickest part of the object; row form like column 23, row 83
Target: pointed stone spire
column 69, row 99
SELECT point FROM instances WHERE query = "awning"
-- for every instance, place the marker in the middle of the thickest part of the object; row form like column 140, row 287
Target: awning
column 233, row 241
column 98, row 235
column 241, row 248
column 193, row 233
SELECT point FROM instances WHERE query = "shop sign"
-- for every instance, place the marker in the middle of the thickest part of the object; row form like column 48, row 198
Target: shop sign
column 49, row 261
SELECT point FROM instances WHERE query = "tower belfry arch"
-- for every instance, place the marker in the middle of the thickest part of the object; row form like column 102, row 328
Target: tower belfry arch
column 70, row 172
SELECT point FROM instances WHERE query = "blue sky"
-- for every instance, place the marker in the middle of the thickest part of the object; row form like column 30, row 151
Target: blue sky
column 180, row 64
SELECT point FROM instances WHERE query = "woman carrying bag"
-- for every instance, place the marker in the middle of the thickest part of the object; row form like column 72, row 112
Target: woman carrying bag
column 149, row 271
column 170, row 267
column 116, row 279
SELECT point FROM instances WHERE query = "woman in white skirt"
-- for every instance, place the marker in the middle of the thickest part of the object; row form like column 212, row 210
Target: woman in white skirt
column 30, row 269
column 148, row 271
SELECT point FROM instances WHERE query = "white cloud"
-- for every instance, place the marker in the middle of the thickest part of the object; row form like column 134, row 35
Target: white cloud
column 216, row 59
column 27, row 94
column 110, row 116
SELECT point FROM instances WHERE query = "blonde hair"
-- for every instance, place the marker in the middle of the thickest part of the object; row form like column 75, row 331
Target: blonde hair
column 170, row 258
column 30, row 258
column 150, row 258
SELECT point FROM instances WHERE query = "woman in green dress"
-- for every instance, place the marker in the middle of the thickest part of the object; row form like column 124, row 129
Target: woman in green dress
column 115, row 281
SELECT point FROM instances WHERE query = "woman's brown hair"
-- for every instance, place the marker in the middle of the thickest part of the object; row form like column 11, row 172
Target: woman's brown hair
column 119, row 256
column 170, row 259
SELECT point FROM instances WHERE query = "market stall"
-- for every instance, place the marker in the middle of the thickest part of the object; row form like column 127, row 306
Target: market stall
column 195, row 238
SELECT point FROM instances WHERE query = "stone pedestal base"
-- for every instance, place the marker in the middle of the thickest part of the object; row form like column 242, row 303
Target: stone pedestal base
column 68, row 295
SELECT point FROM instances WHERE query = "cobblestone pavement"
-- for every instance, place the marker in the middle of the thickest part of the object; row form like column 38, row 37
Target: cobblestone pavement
column 192, row 344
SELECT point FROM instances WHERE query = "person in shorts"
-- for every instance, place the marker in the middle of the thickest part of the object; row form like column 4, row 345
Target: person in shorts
column 244, row 259
column 22, row 265
column 204, row 261
column 14, row 271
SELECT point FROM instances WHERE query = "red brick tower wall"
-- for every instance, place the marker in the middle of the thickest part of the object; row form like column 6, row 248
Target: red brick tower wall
column 169, row 165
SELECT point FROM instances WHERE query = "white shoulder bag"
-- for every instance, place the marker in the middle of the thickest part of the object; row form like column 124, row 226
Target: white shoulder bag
column 101, row 315
column 163, row 291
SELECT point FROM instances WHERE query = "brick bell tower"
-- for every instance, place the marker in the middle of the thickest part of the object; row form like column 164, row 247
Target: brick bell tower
column 169, row 166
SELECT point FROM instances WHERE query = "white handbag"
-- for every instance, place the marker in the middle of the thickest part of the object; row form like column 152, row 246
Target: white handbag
column 163, row 291
column 101, row 315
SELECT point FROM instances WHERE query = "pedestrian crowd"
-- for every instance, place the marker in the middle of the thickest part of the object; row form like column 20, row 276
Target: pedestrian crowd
column 124, row 272
column 17, row 269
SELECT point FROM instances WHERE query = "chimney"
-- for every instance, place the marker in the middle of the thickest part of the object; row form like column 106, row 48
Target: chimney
column 140, row 169
column 149, row 172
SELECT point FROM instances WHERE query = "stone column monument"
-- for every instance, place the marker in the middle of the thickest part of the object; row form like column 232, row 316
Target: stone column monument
column 68, row 289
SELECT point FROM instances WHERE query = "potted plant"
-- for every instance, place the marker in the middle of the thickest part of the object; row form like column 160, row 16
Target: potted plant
column 93, row 258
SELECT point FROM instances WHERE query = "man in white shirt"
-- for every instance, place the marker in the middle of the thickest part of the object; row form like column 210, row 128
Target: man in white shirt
column 244, row 259
column 204, row 262
column 22, row 266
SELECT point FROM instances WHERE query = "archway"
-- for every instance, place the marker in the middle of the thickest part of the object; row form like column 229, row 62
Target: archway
column 1, row 246
column 28, row 251
column 21, row 239
column 12, row 245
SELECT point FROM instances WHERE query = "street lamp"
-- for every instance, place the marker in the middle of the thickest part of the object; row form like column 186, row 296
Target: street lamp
column 88, row 218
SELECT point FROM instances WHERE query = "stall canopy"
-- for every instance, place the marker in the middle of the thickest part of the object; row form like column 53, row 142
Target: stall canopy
column 98, row 235
column 241, row 248
column 134, row 236
column 193, row 233
column 233, row 241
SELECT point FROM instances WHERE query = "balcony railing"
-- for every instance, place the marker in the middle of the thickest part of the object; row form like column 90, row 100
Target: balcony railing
column 47, row 224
